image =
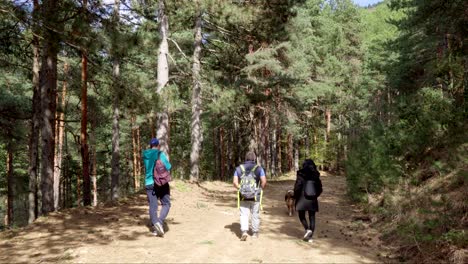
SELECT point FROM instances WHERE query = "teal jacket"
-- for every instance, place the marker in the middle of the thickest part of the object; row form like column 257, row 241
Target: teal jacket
column 149, row 158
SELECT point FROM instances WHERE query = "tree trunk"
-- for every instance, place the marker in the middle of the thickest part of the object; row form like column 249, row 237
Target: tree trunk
column 223, row 160
column 273, row 147
column 278, row 149
column 34, row 136
column 217, row 157
column 163, row 66
column 115, row 160
column 136, row 150
column 290, row 153
column 93, row 161
column 196, row 102
column 163, row 76
column 10, row 195
column 139, row 159
column 48, row 86
column 296, row 155
column 84, row 126
column 60, row 131
column 328, row 118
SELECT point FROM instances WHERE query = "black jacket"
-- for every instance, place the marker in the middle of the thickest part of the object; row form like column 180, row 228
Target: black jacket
column 303, row 204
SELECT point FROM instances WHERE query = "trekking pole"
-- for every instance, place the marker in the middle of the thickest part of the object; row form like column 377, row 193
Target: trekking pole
column 238, row 199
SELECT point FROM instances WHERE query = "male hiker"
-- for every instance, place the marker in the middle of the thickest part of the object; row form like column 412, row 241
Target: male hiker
column 157, row 184
column 250, row 180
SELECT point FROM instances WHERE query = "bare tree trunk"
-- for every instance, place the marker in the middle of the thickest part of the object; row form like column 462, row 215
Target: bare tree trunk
column 296, row 155
column 267, row 145
column 163, row 66
column 136, row 160
column 328, row 117
column 48, row 86
column 223, row 160
column 60, row 131
column 10, row 195
column 139, row 169
column 163, row 76
column 93, row 161
column 290, row 152
column 196, row 102
column 273, row 147
column 278, row 149
column 84, row 127
column 115, row 160
column 217, row 156
column 34, row 136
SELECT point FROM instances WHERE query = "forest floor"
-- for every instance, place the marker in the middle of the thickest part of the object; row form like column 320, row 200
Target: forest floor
column 203, row 228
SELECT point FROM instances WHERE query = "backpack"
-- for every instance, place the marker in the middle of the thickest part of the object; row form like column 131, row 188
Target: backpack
column 248, row 183
column 309, row 190
column 161, row 176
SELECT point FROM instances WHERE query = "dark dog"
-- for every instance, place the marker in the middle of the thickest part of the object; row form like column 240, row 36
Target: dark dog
column 289, row 199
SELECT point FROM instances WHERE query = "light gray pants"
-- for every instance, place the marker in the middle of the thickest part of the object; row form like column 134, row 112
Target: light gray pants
column 246, row 208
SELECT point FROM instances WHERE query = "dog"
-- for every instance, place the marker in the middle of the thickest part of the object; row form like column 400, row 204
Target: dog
column 290, row 201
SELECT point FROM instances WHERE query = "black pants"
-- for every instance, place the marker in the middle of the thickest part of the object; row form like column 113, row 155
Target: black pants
column 302, row 218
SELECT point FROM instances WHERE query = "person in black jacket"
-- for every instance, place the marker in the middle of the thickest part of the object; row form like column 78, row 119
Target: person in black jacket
column 308, row 172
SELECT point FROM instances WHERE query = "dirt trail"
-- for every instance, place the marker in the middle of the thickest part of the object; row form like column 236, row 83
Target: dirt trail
column 203, row 227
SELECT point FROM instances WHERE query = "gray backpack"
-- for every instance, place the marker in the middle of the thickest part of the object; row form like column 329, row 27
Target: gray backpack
column 248, row 183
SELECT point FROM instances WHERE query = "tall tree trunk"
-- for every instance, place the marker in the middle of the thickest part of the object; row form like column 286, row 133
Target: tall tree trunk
column 328, row 119
column 34, row 136
column 278, row 149
column 10, row 195
column 163, row 76
column 290, row 152
column 84, row 126
column 163, row 66
column 273, row 147
column 136, row 150
column 48, row 86
column 296, row 155
column 196, row 101
column 217, row 156
column 222, row 153
column 139, row 169
column 115, row 160
column 60, row 131
column 93, row 161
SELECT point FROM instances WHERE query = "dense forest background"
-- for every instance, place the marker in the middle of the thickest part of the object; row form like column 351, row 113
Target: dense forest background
column 377, row 94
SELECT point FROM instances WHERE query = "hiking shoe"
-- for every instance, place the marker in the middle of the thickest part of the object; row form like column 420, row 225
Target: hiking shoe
column 255, row 235
column 308, row 235
column 159, row 229
column 244, row 236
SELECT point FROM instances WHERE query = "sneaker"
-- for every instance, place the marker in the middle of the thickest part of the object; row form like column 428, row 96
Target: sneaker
column 244, row 236
column 159, row 229
column 255, row 235
column 154, row 233
column 307, row 235
column 310, row 240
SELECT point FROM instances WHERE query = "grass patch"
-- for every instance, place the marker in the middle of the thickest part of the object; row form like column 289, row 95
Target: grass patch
column 206, row 242
column 181, row 186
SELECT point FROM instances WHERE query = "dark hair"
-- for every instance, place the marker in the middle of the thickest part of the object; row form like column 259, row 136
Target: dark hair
column 309, row 165
column 250, row 156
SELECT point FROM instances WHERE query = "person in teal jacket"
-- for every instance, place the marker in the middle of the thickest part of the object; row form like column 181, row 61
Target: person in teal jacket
column 153, row 191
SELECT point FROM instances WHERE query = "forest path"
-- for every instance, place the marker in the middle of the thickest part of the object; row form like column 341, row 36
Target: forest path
column 203, row 227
